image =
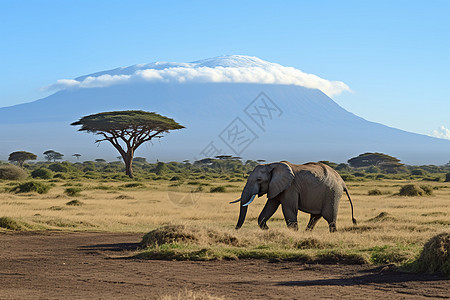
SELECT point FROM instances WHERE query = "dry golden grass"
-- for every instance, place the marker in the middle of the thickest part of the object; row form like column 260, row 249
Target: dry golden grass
column 390, row 228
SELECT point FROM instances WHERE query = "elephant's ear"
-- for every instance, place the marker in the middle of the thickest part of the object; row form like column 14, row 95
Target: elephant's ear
column 282, row 177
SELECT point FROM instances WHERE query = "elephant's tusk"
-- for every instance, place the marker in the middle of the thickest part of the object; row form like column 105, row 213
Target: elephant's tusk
column 235, row 201
column 251, row 200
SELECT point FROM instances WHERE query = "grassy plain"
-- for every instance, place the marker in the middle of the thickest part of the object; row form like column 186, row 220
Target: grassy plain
column 391, row 229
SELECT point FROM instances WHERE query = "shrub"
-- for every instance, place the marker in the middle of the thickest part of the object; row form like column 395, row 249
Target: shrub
column 348, row 177
column 11, row 172
column 374, row 192
column 74, row 203
column 9, row 223
column 427, row 189
column 72, row 191
column 359, row 174
column 418, row 172
column 447, row 177
column 411, row 190
column 218, row 189
column 31, row 186
column 133, row 185
column 166, row 235
column 56, row 167
column 60, row 175
column 437, row 178
column 435, row 256
column 42, row 173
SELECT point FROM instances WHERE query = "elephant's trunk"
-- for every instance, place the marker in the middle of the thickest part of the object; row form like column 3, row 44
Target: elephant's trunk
column 242, row 214
column 250, row 190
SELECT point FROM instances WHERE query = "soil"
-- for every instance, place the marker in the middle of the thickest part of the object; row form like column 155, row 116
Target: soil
column 82, row 265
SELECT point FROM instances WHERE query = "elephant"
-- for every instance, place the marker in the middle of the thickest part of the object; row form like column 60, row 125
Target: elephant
column 314, row 188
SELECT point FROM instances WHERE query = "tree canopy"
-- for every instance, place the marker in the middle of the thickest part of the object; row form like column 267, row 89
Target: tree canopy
column 21, row 156
column 127, row 130
column 371, row 159
column 53, row 155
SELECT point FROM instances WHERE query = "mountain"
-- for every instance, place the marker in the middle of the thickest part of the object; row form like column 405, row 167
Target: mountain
column 239, row 105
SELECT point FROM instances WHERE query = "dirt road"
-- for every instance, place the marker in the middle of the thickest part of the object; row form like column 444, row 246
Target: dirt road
column 91, row 265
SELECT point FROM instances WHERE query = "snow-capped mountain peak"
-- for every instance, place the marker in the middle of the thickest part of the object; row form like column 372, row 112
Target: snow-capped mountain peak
column 228, row 68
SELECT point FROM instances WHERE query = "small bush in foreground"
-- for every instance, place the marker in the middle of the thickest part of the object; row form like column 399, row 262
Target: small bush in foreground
column 31, row 186
column 447, row 177
column 374, row 192
column 11, row 172
column 72, row 191
column 218, row 189
column 435, row 256
column 167, row 235
column 74, row 203
column 42, row 173
column 9, row 223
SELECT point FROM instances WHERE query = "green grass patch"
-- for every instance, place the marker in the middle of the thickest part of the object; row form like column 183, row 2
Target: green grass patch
column 31, row 186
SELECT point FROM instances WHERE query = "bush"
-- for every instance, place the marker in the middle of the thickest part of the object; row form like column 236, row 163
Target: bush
column 359, row 174
column 348, row 177
column 74, row 203
column 9, row 223
column 374, row 192
column 427, row 189
column 42, row 173
column 56, row 167
column 218, row 189
column 11, row 172
column 73, row 191
column 133, row 185
column 60, row 175
column 418, row 172
column 415, row 190
column 435, row 256
column 447, row 177
column 31, row 186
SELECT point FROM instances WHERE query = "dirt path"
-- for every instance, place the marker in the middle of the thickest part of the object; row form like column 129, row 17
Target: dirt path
column 89, row 265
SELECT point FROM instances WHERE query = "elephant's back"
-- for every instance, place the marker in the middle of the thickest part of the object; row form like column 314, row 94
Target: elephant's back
column 318, row 183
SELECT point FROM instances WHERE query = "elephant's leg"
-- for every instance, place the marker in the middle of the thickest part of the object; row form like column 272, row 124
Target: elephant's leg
column 331, row 223
column 269, row 209
column 290, row 210
column 312, row 221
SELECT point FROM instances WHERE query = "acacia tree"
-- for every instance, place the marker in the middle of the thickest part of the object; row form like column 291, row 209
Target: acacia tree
column 127, row 130
column 77, row 155
column 21, row 156
column 53, row 155
column 371, row 159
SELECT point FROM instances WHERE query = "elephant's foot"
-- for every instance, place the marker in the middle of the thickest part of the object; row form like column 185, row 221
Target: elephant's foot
column 312, row 221
column 292, row 225
column 263, row 226
column 262, row 223
column 332, row 226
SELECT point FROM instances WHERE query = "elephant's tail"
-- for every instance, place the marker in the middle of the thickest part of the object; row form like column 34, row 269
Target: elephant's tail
column 351, row 204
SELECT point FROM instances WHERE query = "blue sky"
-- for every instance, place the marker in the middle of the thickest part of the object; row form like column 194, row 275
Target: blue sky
column 394, row 55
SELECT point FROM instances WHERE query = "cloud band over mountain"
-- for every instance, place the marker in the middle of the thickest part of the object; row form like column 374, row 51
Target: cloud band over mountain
column 234, row 68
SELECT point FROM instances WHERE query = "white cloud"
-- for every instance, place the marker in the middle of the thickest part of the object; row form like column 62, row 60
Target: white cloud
column 241, row 69
column 442, row 133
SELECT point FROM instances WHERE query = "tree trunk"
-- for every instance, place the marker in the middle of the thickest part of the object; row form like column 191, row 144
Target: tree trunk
column 128, row 159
